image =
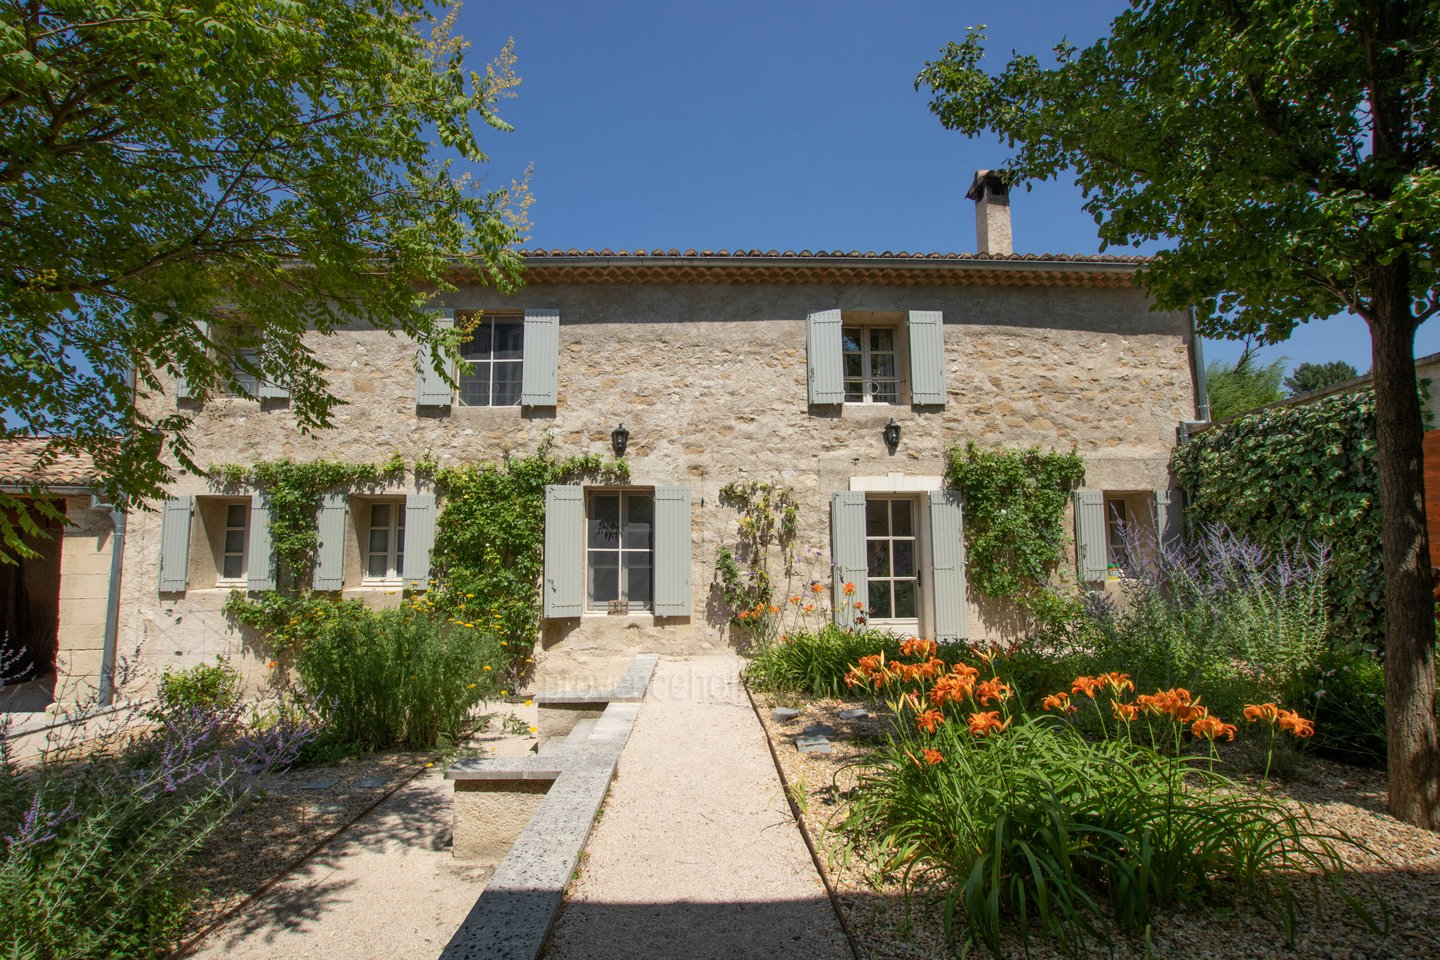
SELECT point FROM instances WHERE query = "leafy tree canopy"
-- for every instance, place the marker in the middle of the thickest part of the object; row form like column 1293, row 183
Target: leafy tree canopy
column 1309, row 377
column 1242, row 385
column 280, row 164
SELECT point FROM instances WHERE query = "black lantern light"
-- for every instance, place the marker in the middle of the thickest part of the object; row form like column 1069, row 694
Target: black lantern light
column 892, row 435
column 619, row 437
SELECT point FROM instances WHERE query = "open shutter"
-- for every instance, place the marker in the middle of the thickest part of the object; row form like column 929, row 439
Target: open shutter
column 926, row 329
column 540, row 356
column 564, row 543
column 825, row 357
column 431, row 389
column 175, row 544
column 330, row 542
column 847, row 546
column 1090, row 553
column 182, row 385
column 672, row 551
column 1169, row 516
column 419, row 539
column 947, row 568
column 260, row 574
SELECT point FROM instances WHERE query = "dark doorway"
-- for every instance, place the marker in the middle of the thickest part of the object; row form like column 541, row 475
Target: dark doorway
column 30, row 610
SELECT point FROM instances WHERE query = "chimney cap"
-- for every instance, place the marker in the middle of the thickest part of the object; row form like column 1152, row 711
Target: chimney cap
column 988, row 183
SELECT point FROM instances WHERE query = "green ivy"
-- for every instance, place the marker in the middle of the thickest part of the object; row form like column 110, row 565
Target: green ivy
column 1308, row 473
column 768, row 520
column 490, row 540
column 1015, row 504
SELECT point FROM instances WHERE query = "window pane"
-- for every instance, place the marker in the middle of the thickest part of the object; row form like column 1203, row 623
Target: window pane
column 903, row 512
column 379, row 540
column 854, row 391
column 232, row 569
column 880, row 599
column 479, row 343
column 850, row 339
column 877, row 554
column 854, row 366
column 882, row 366
column 882, row 338
column 639, row 519
column 509, row 335
column 475, row 385
column 604, row 577
column 876, row 514
column 379, row 514
column 507, row 383
column 905, row 604
column 235, row 515
column 904, row 558
column 378, row 567
column 885, row 393
column 604, row 520
column 234, row 541
column 637, row 577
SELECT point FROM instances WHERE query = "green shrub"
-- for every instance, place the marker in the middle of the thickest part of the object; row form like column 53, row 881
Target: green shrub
column 201, row 687
column 815, row 662
column 406, row 677
column 1345, row 691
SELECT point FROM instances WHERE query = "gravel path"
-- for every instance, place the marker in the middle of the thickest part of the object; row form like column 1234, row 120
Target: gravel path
column 696, row 855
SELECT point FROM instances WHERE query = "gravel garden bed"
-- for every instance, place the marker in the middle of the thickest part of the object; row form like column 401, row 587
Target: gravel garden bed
column 1400, row 862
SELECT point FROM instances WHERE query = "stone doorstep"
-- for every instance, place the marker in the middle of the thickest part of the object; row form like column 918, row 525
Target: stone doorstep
column 514, row 913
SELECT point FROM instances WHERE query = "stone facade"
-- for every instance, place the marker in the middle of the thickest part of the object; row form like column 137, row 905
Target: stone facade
column 710, row 378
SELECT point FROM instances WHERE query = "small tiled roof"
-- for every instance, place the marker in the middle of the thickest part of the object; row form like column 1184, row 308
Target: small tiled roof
column 31, row 460
column 837, row 266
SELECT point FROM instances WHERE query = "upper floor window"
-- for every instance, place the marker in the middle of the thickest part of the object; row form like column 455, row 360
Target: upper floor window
column 872, row 364
column 385, row 541
column 243, row 343
column 495, row 358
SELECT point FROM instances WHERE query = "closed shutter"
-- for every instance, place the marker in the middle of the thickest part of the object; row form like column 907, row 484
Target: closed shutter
column 419, row 539
column 182, row 385
column 926, row 330
column 947, row 568
column 825, row 357
column 330, row 542
column 672, row 551
column 540, row 357
column 847, row 547
column 1169, row 516
column 1090, row 554
column 564, row 550
column 260, row 573
column 432, row 389
column 175, row 544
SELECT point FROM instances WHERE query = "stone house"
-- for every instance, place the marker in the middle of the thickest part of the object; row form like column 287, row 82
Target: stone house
column 721, row 365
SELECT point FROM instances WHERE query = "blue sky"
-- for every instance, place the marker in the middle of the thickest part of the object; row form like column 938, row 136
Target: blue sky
column 782, row 125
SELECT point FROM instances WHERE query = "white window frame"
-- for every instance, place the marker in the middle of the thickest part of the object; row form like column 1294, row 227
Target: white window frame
column 910, row 624
column 467, row 371
column 240, row 580
column 246, row 384
column 868, row 398
column 394, row 552
column 590, row 606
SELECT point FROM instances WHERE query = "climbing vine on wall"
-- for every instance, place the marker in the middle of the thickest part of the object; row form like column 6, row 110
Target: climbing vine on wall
column 1303, row 473
column 1015, row 504
column 765, row 534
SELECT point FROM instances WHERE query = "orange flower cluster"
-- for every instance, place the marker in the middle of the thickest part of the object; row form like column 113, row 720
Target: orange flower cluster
column 919, row 648
column 875, row 671
column 1210, row 727
column 1289, row 721
column 954, row 686
column 1114, row 682
column 1125, row 711
column 983, row 724
column 1177, row 704
column 1059, row 702
column 757, row 612
column 992, row 689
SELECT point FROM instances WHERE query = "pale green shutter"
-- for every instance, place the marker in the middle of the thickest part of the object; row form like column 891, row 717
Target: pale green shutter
column 672, row 551
column 564, row 550
column 947, row 567
column 330, row 542
column 272, row 391
column 260, row 574
column 419, row 539
column 431, row 388
column 825, row 357
column 926, row 330
column 847, row 548
column 182, row 385
column 1169, row 516
column 175, row 544
column 1090, row 553
column 540, row 358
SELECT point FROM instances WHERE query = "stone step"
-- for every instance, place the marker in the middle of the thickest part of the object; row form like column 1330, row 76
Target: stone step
column 574, row 740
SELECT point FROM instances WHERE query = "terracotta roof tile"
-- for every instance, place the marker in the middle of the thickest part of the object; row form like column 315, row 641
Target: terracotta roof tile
column 537, row 254
column 29, row 460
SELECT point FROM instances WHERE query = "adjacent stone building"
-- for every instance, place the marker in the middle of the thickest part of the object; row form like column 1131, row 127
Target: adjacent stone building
column 721, row 366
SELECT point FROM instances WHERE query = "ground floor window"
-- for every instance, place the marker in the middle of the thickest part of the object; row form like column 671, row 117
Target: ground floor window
column 234, row 542
column 385, row 541
column 891, row 558
column 619, row 551
column 1117, row 516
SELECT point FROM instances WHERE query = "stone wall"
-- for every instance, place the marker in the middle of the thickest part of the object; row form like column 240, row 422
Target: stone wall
column 85, row 551
column 710, row 379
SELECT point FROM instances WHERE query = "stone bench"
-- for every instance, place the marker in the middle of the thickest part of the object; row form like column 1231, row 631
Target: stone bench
column 556, row 796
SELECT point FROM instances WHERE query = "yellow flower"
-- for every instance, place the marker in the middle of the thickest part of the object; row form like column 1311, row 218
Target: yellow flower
column 470, row 686
column 429, row 765
column 529, row 703
column 534, row 729
column 504, row 693
column 486, row 668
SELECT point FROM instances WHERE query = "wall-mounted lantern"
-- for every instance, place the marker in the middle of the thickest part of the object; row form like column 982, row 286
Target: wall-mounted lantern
column 892, row 435
column 619, row 437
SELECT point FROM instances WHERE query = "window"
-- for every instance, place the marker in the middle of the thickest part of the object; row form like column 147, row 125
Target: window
column 872, row 364
column 619, row 551
column 494, row 354
column 1116, row 518
column 243, row 342
column 385, row 541
column 891, row 558
column 233, row 542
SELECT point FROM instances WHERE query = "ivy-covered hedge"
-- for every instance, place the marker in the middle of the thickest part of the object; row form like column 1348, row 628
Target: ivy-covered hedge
column 1300, row 473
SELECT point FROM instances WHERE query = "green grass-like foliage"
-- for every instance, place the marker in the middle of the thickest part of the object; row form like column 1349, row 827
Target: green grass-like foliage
column 814, row 662
column 406, row 677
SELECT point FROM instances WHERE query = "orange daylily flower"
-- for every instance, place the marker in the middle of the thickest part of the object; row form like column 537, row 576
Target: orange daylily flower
column 992, row 689
column 1086, row 685
column 984, row 723
column 816, row 587
column 1059, row 702
column 950, row 689
column 1117, row 682
column 918, row 648
column 929, row 720
column 809, row 608
column 933, row 757
column 1124, row 711
column 1292, row 722
column 1211, row 727
column 970, row 673
column 849, row 589
column 1268, row 712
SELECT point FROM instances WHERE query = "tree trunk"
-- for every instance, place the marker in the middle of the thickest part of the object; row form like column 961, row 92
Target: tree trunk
column 1414, row 756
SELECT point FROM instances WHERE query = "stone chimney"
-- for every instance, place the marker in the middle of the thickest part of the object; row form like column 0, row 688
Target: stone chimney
column 992, row 214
